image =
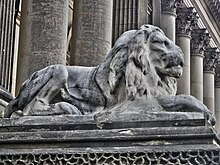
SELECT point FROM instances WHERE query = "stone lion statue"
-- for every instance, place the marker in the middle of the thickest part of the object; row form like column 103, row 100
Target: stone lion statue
column 142, row 65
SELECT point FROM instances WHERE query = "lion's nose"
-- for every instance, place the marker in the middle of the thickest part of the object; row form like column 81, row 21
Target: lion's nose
column 175, row 60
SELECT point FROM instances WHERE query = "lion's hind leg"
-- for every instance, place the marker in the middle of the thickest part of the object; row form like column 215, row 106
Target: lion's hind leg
column 40, row 104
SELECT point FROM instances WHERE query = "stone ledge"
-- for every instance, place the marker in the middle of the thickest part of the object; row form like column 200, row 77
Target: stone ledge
column 150, row 138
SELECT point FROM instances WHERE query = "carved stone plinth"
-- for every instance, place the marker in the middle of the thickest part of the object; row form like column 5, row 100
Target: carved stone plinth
column 153, row 138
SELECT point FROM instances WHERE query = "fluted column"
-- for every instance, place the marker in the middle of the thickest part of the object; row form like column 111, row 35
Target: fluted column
column 127, row 15
column 168, row 17
column 217, row 96
column 209, row 64
column 199, row 42
column 185, row 20
column 92, row 32
column 7, row 26
column 43, row 36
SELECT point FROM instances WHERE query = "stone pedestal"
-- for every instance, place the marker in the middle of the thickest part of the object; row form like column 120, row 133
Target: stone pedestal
column 43, row 36
column 92, row 32
column 146, row 139
column 184, row 22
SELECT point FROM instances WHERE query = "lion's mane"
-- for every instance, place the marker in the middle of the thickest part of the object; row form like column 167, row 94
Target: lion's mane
column 129, row 61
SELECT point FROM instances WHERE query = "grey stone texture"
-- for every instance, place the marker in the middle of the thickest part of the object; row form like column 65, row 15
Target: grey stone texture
column 92, row 32
column 123, row 111
column 43, row 36
column 139, row 74
column 156, row 138
column 199, row 42
column 7, row 32
column 168, row 17
column 185, row 21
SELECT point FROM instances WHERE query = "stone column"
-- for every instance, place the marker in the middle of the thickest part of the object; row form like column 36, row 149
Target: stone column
column 209, row 64
column 43, row 36
column 92, row 32
column 199, row 41
column 127, row 15
column 168, row 18
column 7, row 29
column 185, row 20
column 217, row 96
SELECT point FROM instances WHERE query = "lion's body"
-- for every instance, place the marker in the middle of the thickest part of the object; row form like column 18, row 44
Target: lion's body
column 142, row 64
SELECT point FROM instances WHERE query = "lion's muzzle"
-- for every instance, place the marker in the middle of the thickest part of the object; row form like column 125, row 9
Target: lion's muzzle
column 173, row 65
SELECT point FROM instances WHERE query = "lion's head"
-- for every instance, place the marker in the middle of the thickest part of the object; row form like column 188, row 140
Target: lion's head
column 147, row 61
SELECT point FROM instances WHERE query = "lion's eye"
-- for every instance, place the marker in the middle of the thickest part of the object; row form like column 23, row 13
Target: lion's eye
column 157, row 41
column 166, row 43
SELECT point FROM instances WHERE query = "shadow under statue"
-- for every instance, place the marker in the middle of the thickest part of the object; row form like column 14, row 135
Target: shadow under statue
column 138, row 76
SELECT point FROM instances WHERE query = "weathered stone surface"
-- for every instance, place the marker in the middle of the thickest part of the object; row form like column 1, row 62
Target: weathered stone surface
column 129, row 139
column 199, row 42
column 170, row 5
column 92, row 32
column 138, row 75
column 185, row 21
column 5, row 98
column 43, row 36
column 211, row 59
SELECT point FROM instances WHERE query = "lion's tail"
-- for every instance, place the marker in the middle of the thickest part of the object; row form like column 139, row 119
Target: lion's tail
column 10, row 108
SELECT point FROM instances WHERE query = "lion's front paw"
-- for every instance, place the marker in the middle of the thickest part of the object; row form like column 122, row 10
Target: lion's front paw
column 210, row 118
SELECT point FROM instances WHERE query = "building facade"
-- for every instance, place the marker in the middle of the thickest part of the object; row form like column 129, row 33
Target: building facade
column 38, row 33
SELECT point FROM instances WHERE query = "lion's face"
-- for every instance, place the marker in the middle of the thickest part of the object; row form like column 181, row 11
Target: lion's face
column 165, row 56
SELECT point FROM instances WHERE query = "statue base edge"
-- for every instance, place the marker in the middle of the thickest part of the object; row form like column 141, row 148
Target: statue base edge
column 86, row 140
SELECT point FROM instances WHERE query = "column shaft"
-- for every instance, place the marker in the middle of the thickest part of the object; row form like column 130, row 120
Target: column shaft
column 43, row 36
column 184, row 23
column 217, row 108
column 92, row 31
column 183, row 84
column 217, row 96
column 168, row 25
column 209, row 65
column 208, row 88
column 199, row 42
column 7, row 26
column 196, row 76
column 168, row 17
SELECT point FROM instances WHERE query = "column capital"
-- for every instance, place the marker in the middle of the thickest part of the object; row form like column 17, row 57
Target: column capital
column 170, row 5
column 199, row 42
column 185, row 21
column 217, row 75
column 211, row 59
